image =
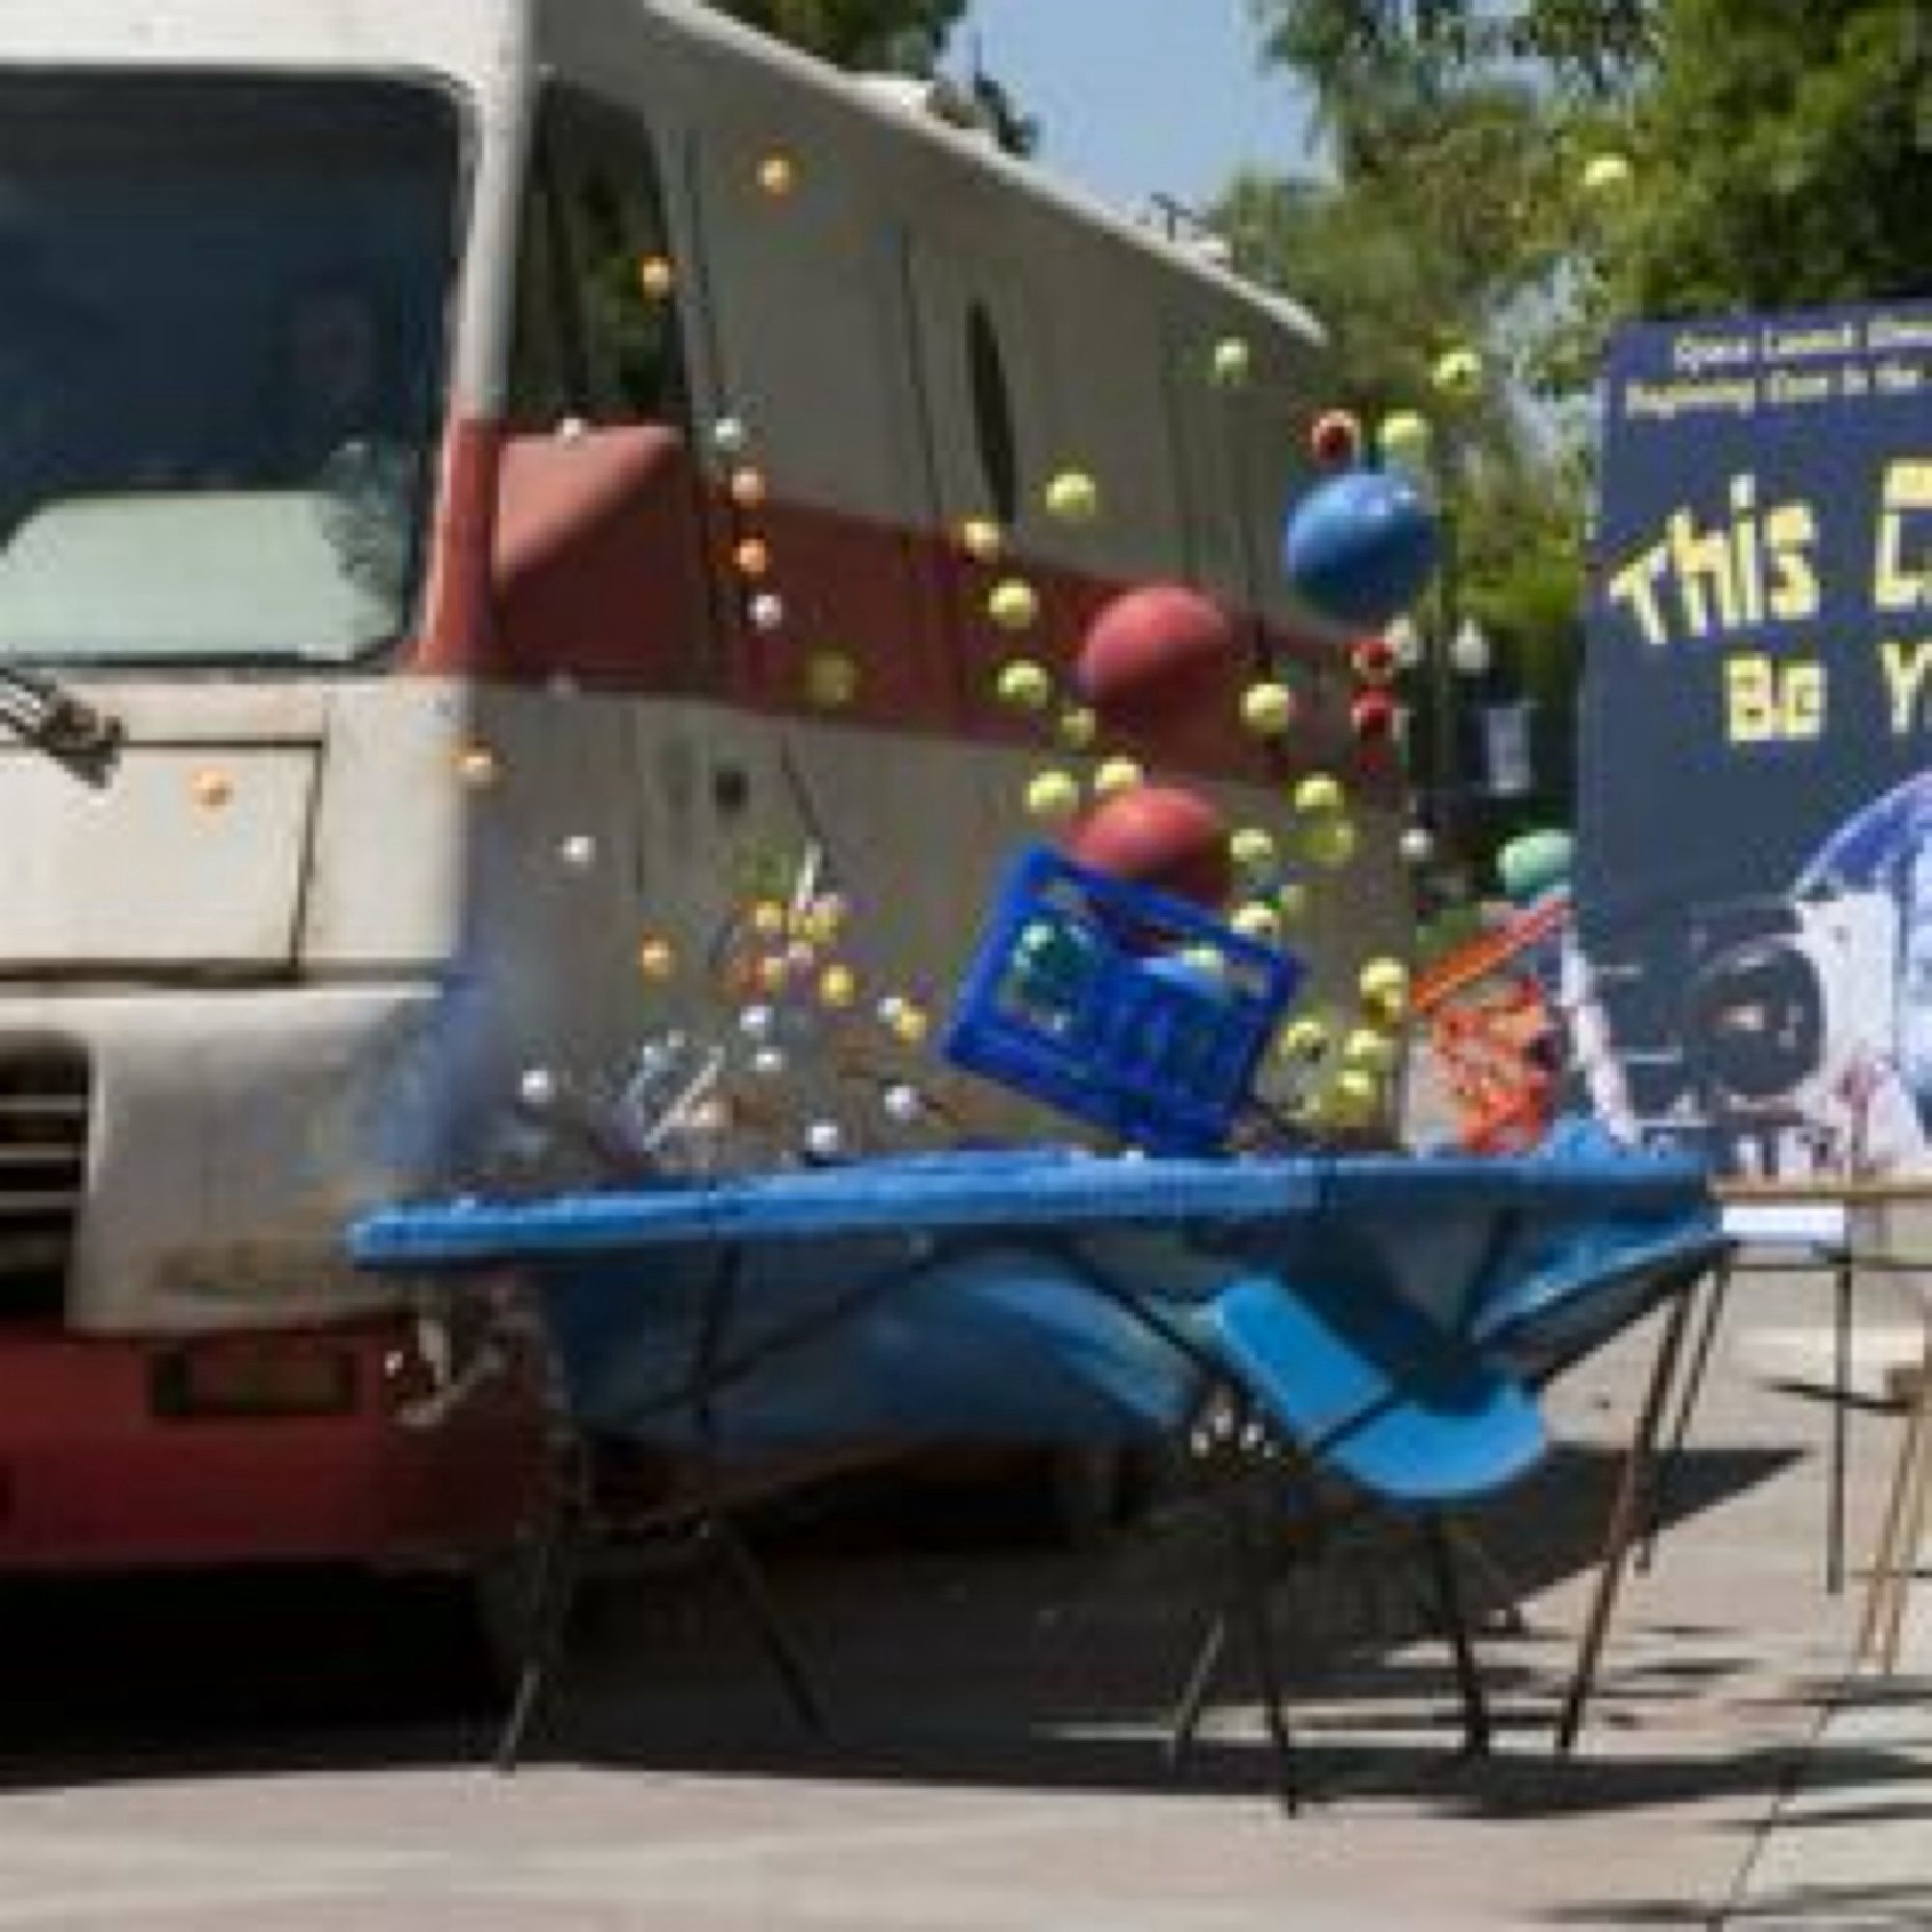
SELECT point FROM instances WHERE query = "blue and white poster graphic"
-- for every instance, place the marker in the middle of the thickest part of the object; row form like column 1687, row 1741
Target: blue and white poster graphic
column 1755, row 869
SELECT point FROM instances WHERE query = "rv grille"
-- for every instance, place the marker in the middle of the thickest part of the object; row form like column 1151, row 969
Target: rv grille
column 44, row 1113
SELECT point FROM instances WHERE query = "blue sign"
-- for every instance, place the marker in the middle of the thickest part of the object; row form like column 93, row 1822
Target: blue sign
column 1754, row 850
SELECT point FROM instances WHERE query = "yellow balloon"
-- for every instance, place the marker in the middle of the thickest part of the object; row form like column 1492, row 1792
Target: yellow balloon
column 1231, row 362
column 1382, row 981
column 831, row 679
column 1404, row 439
column 1024, row 684
column 1459, row 373
column 1607, row 176
column 1370, row 1052
column 1303, row 1041
column 1330, row 844
column 1317, row 795
column 1267, row 709
column 1353, row 1096
column 1074, row 497
column 1117, row 774
column 1256, row 920
column 1052, row 795
column 1077, row 727
column 980, row 539
column 1013, row 604
column 1253, row 850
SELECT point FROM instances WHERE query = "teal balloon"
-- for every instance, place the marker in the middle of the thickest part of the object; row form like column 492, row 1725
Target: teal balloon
column 1360, row 548
column 1535, row 863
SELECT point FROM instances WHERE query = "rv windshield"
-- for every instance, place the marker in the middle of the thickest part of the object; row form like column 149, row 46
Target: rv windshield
column 223, row 317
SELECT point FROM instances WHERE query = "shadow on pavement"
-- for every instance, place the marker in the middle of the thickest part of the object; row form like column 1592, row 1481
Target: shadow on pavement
column 940, row 1662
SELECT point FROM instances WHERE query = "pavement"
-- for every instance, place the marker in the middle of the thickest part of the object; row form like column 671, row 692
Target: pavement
column 217, row 1754
column 1851, row 1844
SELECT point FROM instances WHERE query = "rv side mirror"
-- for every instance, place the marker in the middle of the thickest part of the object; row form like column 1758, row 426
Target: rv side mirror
column 598, row 563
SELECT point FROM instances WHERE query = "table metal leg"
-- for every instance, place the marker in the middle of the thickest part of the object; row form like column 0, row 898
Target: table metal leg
column 755, row 1593
column 553, row 1597
column 1253, row 1579
column 1201, row 1678
column 1716, row 1294
column 1624, row 1515
column 1441, row 1561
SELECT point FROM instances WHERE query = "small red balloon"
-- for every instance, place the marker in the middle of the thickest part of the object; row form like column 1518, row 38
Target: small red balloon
column 1372, row 717
column 1159, row 835
column 1374, row 660
column 1336, row 439
column 1155, row 654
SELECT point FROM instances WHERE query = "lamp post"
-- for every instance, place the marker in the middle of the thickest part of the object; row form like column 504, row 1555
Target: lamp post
column 1438, row 658
column 1441, row 645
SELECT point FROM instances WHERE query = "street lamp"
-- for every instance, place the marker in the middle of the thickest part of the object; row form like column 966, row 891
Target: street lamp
column 1443, row 654
column 1470, row 652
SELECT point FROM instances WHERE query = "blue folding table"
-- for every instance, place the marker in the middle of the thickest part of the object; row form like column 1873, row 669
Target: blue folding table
column 1388, row 1316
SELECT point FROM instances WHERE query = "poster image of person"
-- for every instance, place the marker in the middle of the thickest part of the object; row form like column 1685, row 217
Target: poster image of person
column 1790, row 1036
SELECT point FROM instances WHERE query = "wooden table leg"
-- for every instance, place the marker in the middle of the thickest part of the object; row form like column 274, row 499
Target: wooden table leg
column 1917, row 1478
column 1841, row 1410
column 1717, row 1290
column 1886, row 1556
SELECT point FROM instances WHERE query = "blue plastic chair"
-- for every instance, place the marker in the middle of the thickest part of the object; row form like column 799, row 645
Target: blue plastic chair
column 1361, row 1385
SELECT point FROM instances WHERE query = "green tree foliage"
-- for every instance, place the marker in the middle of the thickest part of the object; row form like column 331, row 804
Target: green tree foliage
column 1419, row 246
column 1784, row 158
column 1348, row 49
column 899, row 35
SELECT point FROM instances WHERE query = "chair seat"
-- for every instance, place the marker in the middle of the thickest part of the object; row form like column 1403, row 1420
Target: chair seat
column 1368, row 1385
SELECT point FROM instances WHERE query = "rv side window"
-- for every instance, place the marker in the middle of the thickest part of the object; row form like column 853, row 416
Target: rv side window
column 597, row 332
column 992, row 412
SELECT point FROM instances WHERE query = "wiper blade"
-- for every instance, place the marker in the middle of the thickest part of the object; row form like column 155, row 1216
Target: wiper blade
column 51, row 718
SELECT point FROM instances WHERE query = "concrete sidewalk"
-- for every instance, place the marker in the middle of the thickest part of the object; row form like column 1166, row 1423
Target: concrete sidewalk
column 1851, row 1845
column 995, row 1762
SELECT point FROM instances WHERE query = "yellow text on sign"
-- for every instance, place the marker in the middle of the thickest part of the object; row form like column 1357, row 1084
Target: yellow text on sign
column 1769, row 700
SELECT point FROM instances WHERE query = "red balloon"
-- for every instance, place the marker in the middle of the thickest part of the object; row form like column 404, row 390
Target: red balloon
column 1155, row 653
column 1159, row 835
column 1335, row 438
column 1374, row 660
column 1373, row 716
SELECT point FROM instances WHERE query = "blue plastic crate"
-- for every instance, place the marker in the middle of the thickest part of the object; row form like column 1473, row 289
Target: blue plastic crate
column 1097, row 995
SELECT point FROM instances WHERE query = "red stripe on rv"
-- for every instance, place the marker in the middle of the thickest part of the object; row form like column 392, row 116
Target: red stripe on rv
column 653, row 593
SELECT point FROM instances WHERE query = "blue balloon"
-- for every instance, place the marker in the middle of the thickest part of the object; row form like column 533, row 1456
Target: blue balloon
column 1360, row 548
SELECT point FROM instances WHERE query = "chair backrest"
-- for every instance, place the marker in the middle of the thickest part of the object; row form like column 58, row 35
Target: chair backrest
column 1368, row 1385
